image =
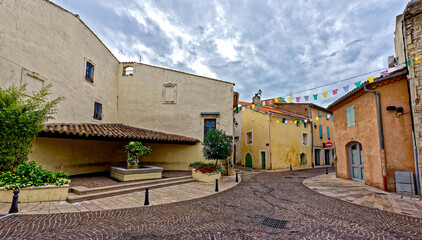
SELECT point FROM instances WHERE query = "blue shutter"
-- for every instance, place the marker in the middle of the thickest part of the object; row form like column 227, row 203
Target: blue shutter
column 320, row 131
column 328, row 132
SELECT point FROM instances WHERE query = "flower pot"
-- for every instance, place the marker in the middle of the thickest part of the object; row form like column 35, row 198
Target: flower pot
column 205, row 177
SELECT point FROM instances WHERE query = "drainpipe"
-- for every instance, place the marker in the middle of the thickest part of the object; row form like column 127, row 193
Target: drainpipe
column 269, row 131
column 383, row 164
column 312, row 133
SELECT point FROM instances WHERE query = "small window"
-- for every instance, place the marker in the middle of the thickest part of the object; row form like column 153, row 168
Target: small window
column 208, row 125
column 305, row 125
column 89, row 72
column 128, row 71
column 305, row 139
column 350, row 114
column 169, row 94
column 328, row 132
column 327, row 116
column 98, row 111
column 249, row 138
column 302, row 158
column 320, row 131
column 319, row 114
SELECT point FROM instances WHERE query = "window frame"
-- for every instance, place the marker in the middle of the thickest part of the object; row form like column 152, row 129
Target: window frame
column 350, row 116
column 92, row 71
column 307, row 139
column 98, row 111
column 321, row 134
column 246, row 137
column 209, row 119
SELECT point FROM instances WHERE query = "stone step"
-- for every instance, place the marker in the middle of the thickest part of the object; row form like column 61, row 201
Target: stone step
column 78, row 198
column 84, row 190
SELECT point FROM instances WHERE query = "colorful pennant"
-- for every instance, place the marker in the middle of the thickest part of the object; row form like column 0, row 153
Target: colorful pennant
column 306, row 98
column 253, row 106
column 317, row 118
column 275, row 99
column 370, row 79
column 290, row 99
column 346, row 88
column 315, row 96
column 297, row 99
column 325, row 94
column 335, row 91
column 384, row 73
column 357, row 84
column 417, row 60
column 258, row 104
column 282, row 99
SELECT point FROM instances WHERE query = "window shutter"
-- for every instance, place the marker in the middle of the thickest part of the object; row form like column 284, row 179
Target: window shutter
column 350, row 114
column 319, row 114
column 320, row 131
column 328, row 132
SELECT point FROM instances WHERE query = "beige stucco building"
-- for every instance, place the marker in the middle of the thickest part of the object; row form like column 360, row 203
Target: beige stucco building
column 42, row 43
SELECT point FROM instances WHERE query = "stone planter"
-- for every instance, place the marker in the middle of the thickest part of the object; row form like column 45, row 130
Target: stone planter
column 37, row 194
column 144, row 172
column 205, row 177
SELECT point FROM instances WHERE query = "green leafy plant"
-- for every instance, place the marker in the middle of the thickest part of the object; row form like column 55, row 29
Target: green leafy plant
column 29, row 174
column 135, row 150
column 208, row 167
column 21, row 119
column 217, row 145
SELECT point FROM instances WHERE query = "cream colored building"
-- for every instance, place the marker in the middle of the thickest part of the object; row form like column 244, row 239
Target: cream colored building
column 42, row 43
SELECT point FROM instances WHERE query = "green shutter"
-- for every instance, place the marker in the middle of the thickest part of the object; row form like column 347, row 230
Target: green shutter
column 328, row 132
column 320, row 131
column 319, row 114
column 350, row 114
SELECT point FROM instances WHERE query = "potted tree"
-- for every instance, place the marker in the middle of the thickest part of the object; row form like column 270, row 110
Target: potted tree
column 134, row 151
column 217, row 146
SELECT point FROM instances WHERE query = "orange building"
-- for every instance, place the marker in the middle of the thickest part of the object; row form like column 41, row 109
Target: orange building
column 373, row 131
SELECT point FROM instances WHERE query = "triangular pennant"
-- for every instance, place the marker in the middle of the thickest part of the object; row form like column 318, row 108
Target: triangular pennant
column 276, row 121
column 253, row 106
column 408, row 63
column 370, row 79
column 417, row 60
column 315, row 96
column 238, row 109
column 270, row 102
column 325, row 94
column 248, row 107
column 263, row 103
column 306, row 98
column 297, row 99
column 290, row 99
column 306, row 120
column 258, row 104
column 295, row 122
column 275, row 99
column 346, row 88
column 335, row 91
column 357, row 84
column 282, row 99
column 300, row 121
column 243, row 108
column 234, row 109
column 317, row 118
column 384, row 73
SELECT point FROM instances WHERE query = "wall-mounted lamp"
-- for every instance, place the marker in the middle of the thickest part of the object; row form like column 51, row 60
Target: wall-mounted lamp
column 399, row 110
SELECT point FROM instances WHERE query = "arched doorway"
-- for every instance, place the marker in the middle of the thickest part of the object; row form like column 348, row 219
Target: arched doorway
column 248, row 160
column 356, row 162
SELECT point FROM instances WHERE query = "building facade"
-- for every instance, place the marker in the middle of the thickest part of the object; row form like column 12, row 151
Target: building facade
column 42, row 43
column 273, row 139
column 372, row 145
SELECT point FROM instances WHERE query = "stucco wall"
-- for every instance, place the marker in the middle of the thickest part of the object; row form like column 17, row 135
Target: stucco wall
column 397, row 134
column 37, row 36
column 286, row 141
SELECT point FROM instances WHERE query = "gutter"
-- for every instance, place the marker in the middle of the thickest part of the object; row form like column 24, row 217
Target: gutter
column 312, row 134
column 269, row 130
column 381, row 135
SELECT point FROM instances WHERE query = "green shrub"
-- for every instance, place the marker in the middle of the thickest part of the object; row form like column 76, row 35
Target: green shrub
column 217, row 145
column 197, row 165
column 21, row 119
column 29, row 174
column 135, row 150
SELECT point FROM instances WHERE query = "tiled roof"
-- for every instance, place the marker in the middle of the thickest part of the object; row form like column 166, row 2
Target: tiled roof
column 110, row 131
column 272, row 110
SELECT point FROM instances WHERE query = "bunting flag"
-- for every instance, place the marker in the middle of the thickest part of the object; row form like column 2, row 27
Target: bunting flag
column 258, row 104
column 335, row 91
column 315, row 96
column 325, row 94
column 243, row 108
column 248, row 107
column 295, row 122
column 417, row 60
column 234, row 109
column 290, row 99
column 408, row 63
column 282, row 99
column 238, row 109
column 346, row 88
column 263, row 103
column 276, row 121
column 317, row 118
column 270, row 102
column 297, row 99
column 275, row 99
column 357, row 84
column 370, row 79
column 384, row 73
column 300, row 121
column 306, row 98
column 306, row 121
column 253, row 106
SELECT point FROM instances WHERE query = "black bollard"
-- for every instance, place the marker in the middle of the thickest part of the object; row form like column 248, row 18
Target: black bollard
column 216, row 185
column 146, row 197
column 326, row 170
column 290, row 167
column 14, row 207
column 237, row 177
column 313, row 165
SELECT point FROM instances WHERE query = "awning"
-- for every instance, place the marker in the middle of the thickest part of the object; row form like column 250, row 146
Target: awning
column 111, row 131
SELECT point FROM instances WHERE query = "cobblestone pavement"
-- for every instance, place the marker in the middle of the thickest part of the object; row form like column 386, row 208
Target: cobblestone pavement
column 361, row 194
column 236, row 213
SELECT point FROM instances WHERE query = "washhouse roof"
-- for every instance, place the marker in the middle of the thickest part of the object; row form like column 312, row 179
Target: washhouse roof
column 111, row 131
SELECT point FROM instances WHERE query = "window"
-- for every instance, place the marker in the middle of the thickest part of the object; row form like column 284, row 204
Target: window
column 302, row 158
column 328, row 132
column 128, row 71
column 327, row 116
column 305, row 139
column 89, row 73
column 319, row 114
column 305, row 125
column 320, row 131
column 208, row 125
column 98, row 111
column 169, row 93
column 350, row 114
column 332, row 118
column 249, row 138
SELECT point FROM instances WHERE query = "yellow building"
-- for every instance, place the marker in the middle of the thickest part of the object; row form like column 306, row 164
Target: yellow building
column 274, row 139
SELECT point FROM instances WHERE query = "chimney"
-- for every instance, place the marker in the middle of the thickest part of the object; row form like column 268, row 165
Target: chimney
column 256, row 99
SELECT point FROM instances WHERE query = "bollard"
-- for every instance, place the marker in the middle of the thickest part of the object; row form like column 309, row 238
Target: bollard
column 313, row 165
column 216, row 185
column 290, row 167
column 326, row 170
column 14, row 207
column 146, row 197
column 332, row 164
column 237, row 177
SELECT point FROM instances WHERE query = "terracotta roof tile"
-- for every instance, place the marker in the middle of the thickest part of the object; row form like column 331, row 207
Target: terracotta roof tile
column 111, row 130
column 272, row 110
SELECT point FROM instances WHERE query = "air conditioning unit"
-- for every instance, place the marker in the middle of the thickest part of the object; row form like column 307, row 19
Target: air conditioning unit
column 405, row 183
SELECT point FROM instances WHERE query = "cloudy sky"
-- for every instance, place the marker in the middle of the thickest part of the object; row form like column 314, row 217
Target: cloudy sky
column 278, row 46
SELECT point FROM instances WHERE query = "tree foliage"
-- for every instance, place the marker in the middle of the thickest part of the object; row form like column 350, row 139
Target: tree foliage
column 217, row 145
column 135, row 150
column 21, row 118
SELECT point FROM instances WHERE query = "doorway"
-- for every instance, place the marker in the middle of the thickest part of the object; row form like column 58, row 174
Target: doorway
column 263, row 156
column 356, row 162
column 317, row 157
column 248, row 160
column 327, row 156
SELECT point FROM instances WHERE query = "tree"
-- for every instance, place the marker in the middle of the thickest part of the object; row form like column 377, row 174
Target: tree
column 21, row 118
column 135, row 150
column 217, row 145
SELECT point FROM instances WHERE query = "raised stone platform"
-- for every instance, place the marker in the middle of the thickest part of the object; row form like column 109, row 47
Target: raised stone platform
column 144, row 172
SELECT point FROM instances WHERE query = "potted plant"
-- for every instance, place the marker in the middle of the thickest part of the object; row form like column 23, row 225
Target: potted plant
column 134, row 151
column 217, row 146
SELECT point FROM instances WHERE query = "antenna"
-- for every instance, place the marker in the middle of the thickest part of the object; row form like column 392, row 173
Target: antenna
column 259, row 92
column 140, row 58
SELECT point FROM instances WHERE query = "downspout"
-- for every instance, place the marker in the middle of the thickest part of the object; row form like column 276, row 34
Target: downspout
column 381, row 135
column 415, row 148
column 269, row 134
column 312, row 134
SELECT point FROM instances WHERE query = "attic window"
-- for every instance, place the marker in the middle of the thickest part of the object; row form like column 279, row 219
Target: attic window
column 89, row 72
column 170, row 93
column 128, row 71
